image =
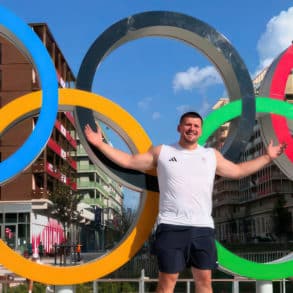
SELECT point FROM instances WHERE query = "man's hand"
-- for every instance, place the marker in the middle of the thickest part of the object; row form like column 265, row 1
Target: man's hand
column 94, row 137
column 275, row 151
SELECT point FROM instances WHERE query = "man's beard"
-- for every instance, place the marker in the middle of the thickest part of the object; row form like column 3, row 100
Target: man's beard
column 190, row 141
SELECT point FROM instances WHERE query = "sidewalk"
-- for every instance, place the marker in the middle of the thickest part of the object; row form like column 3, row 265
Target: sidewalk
column 8, row 277
column 71, row 259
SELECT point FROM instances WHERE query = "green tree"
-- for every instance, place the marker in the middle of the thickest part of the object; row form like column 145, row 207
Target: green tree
column 22, row 288
column 65, row 202
column 124, row 220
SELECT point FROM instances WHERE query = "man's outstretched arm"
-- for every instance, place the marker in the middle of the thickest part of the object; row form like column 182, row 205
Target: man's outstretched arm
column 141, row 162
column 229, row 169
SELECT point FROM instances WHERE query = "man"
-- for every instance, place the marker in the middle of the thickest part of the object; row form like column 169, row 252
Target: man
column 186, row 171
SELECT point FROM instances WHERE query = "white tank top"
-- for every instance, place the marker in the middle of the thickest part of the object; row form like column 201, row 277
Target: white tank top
column 186, row 179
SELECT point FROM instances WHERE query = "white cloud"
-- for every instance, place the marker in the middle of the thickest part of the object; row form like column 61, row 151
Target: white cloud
column 144, row 103
column 205, row 107
column 156, row 115
column 277, row 37
column 195, row 77
column 183, row 108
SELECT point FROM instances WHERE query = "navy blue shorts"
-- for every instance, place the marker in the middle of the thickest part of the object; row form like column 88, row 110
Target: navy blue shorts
column 178, row 247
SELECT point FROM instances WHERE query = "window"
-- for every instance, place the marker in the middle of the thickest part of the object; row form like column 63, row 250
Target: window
column 11, row 218
column 23, row 217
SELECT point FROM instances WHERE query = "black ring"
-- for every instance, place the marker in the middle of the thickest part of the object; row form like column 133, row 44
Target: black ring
column 193, row 32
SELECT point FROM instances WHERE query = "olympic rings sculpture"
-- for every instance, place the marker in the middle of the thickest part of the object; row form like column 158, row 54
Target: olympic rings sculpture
column 193, row 32
column 130, row 130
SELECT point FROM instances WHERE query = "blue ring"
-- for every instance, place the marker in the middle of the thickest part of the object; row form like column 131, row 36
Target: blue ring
column 18, row 31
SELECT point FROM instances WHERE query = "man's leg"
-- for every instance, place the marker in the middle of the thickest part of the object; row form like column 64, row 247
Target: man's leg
column 202, row 280
column 167, row 282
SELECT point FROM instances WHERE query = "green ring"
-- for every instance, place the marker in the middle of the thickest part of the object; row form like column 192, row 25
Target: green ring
column 227, row 259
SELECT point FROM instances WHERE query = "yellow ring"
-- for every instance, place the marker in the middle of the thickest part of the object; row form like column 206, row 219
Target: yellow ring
column 137, row 236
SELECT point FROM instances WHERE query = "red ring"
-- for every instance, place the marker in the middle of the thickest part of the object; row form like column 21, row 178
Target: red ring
column 277, row 91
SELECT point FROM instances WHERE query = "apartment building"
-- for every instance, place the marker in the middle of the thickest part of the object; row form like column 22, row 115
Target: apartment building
column 257, row 208
column 102, row 199
column 24, row 201
column 27, row 215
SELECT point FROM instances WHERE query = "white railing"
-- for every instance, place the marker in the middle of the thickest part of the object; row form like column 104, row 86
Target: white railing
column 142, row 281
column 260, row 286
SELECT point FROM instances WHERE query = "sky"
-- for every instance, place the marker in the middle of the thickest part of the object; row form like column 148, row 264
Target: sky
column 157, row 79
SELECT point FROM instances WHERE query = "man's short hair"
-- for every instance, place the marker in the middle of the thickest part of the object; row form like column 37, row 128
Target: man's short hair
column 190, row 114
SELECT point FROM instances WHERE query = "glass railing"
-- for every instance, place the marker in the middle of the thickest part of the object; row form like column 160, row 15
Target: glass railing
column 92, row 185
column 94, row 201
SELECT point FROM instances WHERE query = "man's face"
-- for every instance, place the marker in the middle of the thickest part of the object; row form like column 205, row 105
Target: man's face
column 190, row 130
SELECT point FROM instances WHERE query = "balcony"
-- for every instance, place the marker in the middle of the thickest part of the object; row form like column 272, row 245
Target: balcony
column 80, row 151
column 94, row 202
column 94, row 169
column 40, row 193
column 226, row 201
column 278, row 175
column 56, row 148
column 70, row 117
column 92, row 185
column 38, row 167
column 248, row 197
column 86, row 168
column 66, row 134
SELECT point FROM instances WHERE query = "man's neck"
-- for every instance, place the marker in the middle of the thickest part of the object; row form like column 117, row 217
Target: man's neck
column 188, row 146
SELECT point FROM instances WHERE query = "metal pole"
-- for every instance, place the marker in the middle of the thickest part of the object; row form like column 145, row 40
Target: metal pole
column 55, row 253
column 284, row 285
column 235, row 286
column 187, row 287
column 95, row 287
column 264, row 287
column 141, row 282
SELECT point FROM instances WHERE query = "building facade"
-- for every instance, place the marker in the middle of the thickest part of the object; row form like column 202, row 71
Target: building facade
column 257, row 209
column 27, row 214
column 102, row 200
column 25, row 203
